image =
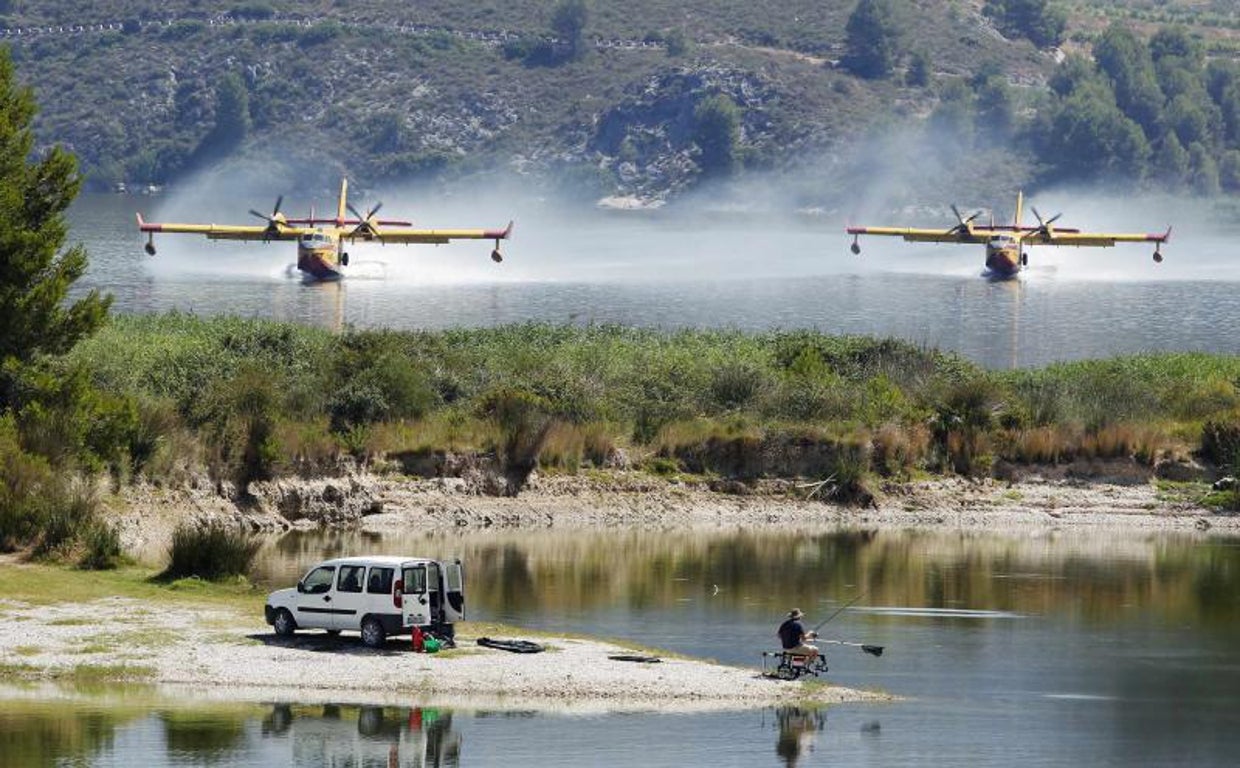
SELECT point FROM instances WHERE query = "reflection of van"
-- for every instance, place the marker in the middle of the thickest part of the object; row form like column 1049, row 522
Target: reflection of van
column 377, row 596
column 344, row 735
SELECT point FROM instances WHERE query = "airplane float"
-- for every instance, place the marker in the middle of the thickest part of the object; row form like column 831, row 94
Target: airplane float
column 1005, row 244
column 321, row 242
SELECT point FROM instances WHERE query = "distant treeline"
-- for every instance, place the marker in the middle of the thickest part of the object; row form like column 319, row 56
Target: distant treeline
column 1154, row 110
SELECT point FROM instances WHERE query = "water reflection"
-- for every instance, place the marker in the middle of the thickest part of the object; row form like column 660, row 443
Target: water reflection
column 798, row 733
column 209, row 739
column 364, row 736
column 44, row 739
column 935, row 575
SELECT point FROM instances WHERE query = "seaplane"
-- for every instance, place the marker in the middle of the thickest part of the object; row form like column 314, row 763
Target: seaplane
column 1005, row 244
column 321, row 242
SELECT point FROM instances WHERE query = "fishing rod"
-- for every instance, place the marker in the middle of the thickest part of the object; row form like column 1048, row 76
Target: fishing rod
column 838, row 611
column 873, row 650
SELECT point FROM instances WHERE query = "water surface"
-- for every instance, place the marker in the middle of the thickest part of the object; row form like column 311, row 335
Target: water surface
column 751, row 274
column 1029, row 648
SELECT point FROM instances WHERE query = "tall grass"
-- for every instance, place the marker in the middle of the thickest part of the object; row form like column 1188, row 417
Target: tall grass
column 213, row 552
column 260, row 397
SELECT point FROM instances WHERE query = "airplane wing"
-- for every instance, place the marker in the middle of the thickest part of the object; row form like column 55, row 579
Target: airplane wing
column 432, row 236
column 226, row 231
column 953, row 235
column 1095, row 239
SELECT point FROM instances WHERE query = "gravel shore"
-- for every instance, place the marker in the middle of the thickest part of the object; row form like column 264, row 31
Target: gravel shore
column 216, row 654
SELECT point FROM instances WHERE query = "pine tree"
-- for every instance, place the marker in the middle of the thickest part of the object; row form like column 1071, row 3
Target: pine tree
column 874, row 38
column 717, row 134
column 568, row 21
column 35, row 274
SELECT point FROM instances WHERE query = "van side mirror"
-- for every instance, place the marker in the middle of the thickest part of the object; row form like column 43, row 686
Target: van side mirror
column 301, row 587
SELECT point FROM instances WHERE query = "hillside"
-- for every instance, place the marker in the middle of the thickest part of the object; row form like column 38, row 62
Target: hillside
column 385, row 91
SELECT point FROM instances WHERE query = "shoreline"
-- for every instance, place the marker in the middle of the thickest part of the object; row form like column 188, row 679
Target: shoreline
column 1117, row 497
column 217, row 654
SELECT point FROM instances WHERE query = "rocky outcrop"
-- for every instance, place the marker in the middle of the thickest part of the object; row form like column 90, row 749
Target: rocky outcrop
column 333, row 501
column 647, row 141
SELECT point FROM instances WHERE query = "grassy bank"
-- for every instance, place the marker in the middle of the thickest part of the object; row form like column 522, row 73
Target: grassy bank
column 41, row 584
column 167, row 397
column 259, row 397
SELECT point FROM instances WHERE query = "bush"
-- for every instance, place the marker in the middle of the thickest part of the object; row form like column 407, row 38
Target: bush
column 101, row 547
column 848, row 479
column 213, row 552
column 68, row 512
column 524, row 420
column 1220, row 444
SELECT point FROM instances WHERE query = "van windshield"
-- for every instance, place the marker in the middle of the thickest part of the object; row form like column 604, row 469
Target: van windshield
column 319, row 580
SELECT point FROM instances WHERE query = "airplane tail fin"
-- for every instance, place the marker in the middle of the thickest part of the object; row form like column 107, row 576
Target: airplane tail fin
column 344, row 193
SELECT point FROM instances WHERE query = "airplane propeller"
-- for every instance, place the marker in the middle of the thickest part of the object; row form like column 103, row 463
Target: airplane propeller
column 964, row 224
column 366, row 224
column 1044, row 225
column 275, row 220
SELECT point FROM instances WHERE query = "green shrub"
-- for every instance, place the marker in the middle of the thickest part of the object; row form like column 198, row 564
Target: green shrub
column 101, row 547
column 962, row 419
column 735, row 386
column 524, row 420
column 212, row 552
column 240, row 415
column 848, row 480
column 1220, row 444
column 64, row 511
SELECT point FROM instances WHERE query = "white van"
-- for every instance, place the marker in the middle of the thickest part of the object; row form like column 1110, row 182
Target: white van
column 377, row 596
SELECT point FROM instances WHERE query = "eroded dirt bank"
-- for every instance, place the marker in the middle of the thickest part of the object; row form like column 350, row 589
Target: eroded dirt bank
column 1113, row 496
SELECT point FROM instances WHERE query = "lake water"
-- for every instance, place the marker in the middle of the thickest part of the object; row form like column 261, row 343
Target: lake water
column 1041, row 648
column 1029, row 648
column 712, row 272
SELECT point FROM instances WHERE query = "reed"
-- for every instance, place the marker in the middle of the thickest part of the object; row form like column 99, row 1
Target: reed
column 664, row 393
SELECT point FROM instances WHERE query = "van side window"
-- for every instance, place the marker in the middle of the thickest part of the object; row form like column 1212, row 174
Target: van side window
column 380, row 582
column 453, row 573
column 319, row 580
column 351, row 578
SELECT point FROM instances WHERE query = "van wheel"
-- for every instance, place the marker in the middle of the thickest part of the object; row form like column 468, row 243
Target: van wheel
column 372, row 633
column 283, row 624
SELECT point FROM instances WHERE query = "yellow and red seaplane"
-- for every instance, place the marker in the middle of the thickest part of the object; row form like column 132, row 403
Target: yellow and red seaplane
column 1005, row 244
column 320, row 241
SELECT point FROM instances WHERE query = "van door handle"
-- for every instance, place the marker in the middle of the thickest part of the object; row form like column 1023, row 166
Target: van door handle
column 327, row 598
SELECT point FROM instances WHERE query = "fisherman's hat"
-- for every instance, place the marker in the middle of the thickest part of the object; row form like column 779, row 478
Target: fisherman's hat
column 795, row 613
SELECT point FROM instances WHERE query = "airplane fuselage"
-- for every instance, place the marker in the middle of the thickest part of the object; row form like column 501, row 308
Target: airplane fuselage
column 319, row 255
column 1004, row 257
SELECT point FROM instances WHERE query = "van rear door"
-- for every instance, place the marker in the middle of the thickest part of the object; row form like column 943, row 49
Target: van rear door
column 434, row 591
column 454, row 592
column 415, row 608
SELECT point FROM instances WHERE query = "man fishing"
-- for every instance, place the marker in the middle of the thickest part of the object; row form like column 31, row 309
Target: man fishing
column 793, row 637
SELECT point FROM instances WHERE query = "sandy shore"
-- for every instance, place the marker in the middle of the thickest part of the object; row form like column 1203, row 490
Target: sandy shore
column 217, row 654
